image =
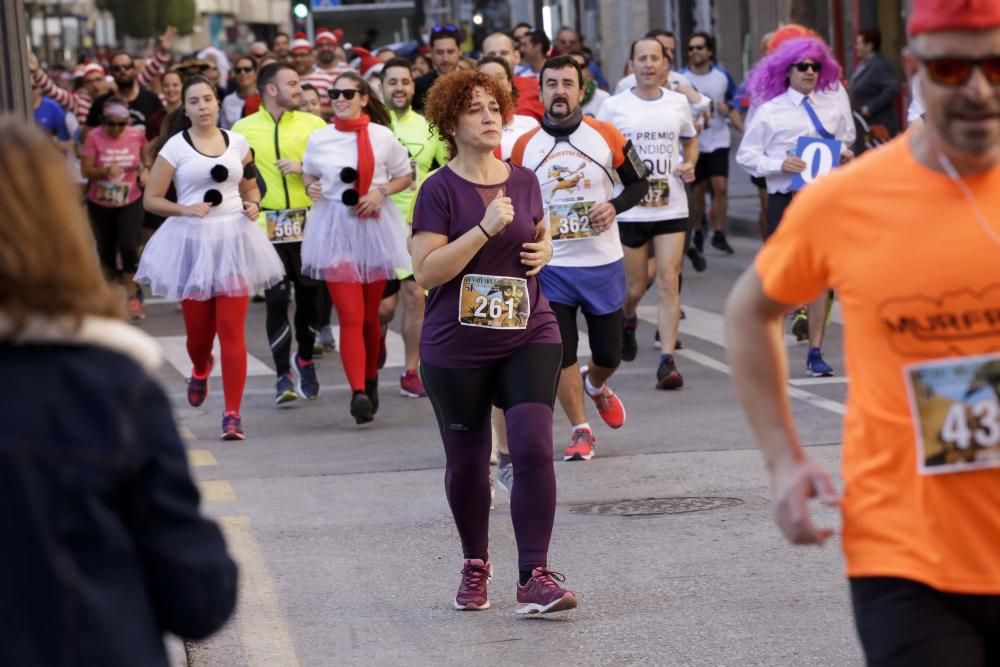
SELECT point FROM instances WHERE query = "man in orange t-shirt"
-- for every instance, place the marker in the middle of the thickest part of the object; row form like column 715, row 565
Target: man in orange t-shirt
column 909, row 236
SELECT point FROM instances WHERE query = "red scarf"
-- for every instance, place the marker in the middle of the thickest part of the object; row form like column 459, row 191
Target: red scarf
column 366, row 157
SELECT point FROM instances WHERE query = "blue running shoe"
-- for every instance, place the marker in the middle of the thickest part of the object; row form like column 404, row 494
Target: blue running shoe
column 284, row 390
column 815, row 364
column 232, row 427
column 306, row 382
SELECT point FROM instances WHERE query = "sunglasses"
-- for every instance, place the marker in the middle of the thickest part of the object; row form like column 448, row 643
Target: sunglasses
column 444, row 28
column 110, row 123
column 697, row 47
column 953, row 71
column 805, row 67
column 243, row 70
column 121, row 68
column 335, row 94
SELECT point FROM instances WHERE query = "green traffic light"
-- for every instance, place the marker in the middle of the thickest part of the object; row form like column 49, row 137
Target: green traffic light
column 301, row 10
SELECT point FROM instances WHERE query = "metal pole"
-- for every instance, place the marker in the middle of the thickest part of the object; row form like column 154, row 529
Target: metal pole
column 15, row 91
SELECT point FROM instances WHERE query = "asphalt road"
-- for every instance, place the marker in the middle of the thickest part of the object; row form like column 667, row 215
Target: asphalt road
column 349, row 555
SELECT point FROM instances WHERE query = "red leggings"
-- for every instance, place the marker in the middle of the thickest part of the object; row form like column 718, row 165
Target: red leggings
column 225, row 316
column 360, row 332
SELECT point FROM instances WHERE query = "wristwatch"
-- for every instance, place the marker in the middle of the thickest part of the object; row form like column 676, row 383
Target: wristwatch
column 385, row 193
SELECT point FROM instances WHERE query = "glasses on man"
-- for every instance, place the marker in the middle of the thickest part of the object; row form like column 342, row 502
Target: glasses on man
column 122, row 68
column 697, row 47
column 952, row 71
column 805, row 67
column 243, row 70
column 348, row 94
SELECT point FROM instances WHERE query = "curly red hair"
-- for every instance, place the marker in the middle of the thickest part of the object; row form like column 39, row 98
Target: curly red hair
column 451, row 95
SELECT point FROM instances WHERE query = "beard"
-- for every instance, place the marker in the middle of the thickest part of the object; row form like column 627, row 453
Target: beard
column 326, row 58
column 565, row 112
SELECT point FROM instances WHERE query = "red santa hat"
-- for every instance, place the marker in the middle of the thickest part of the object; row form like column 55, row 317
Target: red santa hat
column 90, row 68
column 366, row 61
column 326, row 36
column 300, row 43
column 934, row 15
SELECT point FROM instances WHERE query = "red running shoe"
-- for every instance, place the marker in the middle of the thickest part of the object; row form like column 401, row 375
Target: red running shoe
column 198, row 386
column 543, row 595
column 581, row 446
column 472, row 594
column 609, row 406
column 410, row 385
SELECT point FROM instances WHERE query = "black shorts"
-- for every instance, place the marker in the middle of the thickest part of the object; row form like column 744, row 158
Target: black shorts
column 759, row 181
column 903, row 622
column 712, row 164
column 776, row 204
column 637, row 234
column 393, row 286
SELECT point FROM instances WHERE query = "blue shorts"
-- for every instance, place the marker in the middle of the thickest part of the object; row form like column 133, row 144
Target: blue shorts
column 597, row 290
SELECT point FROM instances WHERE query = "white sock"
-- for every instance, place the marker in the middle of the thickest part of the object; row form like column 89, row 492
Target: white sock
column 582, row 427
column 591, row 389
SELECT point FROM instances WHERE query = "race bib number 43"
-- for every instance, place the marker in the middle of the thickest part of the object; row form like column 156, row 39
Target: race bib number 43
column 956, row 411
column 287, row 225
column 494, row 302
column 570, row 221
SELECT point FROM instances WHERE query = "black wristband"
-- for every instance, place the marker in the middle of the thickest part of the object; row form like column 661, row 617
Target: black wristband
column 483, row 230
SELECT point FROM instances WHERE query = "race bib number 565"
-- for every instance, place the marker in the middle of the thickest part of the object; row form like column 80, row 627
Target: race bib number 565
column 494, row 302
column 956, row 410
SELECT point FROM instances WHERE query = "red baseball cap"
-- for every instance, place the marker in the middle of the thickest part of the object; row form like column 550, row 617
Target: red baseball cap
column 935, row 15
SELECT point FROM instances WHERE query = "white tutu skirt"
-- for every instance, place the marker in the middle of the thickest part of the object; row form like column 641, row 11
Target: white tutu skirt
column 201, row 258
column 340, row 247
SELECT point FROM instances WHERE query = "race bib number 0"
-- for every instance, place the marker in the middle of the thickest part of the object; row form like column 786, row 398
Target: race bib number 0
column 114, row 194
column 658, row 195
column 570, row 221
column 494, row 302
column 820, row 156
column 956, row 412
column 286, row 225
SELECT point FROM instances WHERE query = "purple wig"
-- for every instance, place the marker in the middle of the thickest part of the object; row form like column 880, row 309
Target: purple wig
column 770, row 76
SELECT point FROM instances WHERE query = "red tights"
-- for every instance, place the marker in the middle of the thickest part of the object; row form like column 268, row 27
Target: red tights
column 360, row 332
column 225, row 316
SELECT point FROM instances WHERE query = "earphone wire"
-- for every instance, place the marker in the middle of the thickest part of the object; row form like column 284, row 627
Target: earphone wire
column 953, row 174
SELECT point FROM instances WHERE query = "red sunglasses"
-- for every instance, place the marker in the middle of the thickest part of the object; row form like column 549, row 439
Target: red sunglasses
column 952, row 71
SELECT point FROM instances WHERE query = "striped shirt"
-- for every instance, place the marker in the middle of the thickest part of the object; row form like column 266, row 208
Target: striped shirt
column 323, row 80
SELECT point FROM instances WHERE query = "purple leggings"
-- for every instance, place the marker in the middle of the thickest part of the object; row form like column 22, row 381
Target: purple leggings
column 524, row 386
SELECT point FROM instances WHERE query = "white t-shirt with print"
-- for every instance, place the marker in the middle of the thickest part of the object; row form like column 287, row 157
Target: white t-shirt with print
column 655, row 128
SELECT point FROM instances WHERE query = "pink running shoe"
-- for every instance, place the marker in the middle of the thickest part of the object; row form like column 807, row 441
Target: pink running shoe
column 472, row 591
column 542, row 595
column 609, row 406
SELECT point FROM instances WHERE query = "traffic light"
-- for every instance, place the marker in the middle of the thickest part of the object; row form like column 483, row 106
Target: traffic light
column 300, row 16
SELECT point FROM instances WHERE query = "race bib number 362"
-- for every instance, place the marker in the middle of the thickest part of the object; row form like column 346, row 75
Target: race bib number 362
column 286, row 226
column 956, row 411
column 494, row 302
column 570, row 221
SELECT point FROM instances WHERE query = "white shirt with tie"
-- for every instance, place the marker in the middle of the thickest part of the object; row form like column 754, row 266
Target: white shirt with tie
column 774, row 129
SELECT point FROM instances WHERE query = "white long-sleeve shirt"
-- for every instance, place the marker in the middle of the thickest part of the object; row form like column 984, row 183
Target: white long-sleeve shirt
column 775, row 127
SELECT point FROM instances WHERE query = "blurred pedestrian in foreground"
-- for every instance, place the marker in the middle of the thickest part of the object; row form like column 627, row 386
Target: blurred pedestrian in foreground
column 105, row 547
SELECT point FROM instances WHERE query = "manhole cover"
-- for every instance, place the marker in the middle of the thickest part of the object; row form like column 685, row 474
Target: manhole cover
column 652, row 506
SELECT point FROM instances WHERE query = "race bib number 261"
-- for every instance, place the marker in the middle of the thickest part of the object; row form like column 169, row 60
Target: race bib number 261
column 956, row 410
column 494, row 302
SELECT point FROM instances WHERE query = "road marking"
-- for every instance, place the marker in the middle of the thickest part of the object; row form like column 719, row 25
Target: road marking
column 794, row 392
column 394, row 345
column 699, row 323
column 260, row 626
column 216, row 491
column 805, row 382
column 198, row 458
column 174, row 350
column 186, row 434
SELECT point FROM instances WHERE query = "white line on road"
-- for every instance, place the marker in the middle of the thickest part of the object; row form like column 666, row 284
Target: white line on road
column 805, row 382
column 175, row 352
column 699, row 323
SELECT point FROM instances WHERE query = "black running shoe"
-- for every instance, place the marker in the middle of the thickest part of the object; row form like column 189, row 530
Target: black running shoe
column 720, row 243
column 361, row 408
column 698, row 241
column 697, row 259
column 800, row 325
column 667, row 375
column 630, row 347
column 371, row 390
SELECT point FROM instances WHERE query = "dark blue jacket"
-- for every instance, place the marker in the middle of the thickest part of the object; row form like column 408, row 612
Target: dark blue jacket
column 102, row 546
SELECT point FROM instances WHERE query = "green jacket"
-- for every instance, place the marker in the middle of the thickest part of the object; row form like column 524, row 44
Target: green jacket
column 271, row 142
column 425, row 148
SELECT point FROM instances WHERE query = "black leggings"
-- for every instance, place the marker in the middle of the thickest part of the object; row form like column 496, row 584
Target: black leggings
column 116, row 231
column 524, row 386
column 905, row 623
column 603, row 331
column 279, row 331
